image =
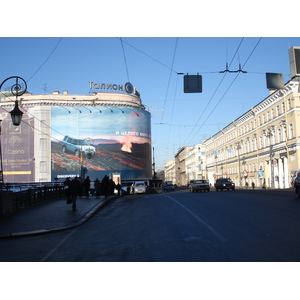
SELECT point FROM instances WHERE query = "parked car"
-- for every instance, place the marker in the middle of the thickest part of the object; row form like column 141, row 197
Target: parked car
column 76, row 146
column 224, row 184
column 169, row 187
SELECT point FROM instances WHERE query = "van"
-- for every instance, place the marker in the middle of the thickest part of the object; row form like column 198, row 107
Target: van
column 139, row 187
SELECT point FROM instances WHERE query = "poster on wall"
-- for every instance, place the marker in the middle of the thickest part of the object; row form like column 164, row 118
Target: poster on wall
column 17, row 148
column 101, row 141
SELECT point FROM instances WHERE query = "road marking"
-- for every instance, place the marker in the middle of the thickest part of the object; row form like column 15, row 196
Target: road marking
column 58, row 245
column 210, row 228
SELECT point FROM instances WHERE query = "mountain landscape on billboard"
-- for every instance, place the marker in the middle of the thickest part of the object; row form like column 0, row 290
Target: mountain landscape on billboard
column 106, row 157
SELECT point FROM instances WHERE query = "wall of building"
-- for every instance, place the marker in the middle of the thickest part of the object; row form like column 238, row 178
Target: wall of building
column 261, row 146
column 116, row 125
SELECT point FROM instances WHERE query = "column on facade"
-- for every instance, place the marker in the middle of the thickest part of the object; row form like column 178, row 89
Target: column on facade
column 269, row 179
column 280, row 174
column 286, row 173
column 275, row 172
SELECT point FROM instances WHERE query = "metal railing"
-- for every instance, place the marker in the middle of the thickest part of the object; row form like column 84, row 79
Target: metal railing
column 14, row 201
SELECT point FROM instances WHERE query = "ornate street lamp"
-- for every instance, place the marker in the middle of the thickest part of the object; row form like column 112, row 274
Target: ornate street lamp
column 16, row 114
column 17, row 86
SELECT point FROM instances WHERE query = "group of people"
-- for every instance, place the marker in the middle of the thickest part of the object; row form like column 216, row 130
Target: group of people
column 77, row 188
column 252, row 184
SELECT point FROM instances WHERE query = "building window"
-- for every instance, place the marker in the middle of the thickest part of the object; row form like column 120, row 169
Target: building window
column 291, row 131
column 43, row 124
column 43, row 144
column 282, row 107
column 279, row 135
column 43, row 167
column 289, row 104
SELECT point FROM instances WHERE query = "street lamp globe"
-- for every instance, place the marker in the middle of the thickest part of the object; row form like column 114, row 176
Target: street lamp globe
column 16, row 114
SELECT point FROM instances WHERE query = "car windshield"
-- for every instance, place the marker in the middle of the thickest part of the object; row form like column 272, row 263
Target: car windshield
column 83, row 142
column 139, row 184
column 200, row 181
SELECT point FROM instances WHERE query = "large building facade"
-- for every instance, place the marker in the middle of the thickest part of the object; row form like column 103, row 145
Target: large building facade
column 262, row 146
column 63, row 135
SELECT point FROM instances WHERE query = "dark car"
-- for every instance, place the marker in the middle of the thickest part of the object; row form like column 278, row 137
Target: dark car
column 224, row 184
column 297, row 185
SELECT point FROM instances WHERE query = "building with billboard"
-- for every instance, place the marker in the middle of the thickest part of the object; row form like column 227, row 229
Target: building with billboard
column 61, row 135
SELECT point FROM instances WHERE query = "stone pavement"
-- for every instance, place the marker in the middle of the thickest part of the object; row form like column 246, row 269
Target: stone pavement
column 54, row 215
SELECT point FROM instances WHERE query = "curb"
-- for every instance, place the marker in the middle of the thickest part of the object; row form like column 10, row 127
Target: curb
column 82, row 220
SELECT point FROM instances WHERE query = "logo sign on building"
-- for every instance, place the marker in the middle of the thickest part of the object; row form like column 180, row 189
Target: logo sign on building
column 127, row 87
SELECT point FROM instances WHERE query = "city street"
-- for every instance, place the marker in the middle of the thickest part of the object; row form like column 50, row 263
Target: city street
column 228, row 226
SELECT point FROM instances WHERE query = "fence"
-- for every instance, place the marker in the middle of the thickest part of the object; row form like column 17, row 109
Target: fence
column 12, row 202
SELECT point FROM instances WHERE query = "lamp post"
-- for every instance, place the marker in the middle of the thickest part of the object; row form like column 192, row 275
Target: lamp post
column 17, row 89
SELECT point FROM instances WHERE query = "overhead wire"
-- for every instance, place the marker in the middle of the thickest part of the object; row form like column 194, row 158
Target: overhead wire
column 46, row 59
column 148, row 56
column 206, row 107
column 170, row 75
column 227, row 89
column 125, row 59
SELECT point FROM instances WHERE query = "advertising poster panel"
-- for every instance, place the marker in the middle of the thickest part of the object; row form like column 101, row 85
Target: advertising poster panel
column 17, row 147
column 96, row 141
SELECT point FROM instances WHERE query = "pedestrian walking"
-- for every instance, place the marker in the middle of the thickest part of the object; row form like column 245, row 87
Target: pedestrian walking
column 105, row 185
column 119, row 189
column 87, row 186
column 74, row 191
column 97, row 185
column 112, row 187
column 253, row 185
column 67, row 184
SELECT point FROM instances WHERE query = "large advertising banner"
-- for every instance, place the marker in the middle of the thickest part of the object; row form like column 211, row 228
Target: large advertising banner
column 17, row 147
column 96, row 141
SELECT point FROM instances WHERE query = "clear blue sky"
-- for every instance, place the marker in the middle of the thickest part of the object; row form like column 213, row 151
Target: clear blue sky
column 151, row 64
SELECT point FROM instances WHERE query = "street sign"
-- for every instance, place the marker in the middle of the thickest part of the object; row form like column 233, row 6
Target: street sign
column 192, row 83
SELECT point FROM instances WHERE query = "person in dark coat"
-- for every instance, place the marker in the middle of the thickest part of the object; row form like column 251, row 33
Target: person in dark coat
column 67, row 184
column 74, row 191
column 105, row 185
column 112, row 187
column 87, row 186
column 97, row 185
column 119, row 189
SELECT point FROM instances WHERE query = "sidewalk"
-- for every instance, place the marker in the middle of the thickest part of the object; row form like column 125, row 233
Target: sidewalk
column 51, row 216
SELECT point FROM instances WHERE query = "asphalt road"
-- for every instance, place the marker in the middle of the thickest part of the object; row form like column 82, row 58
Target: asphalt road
column 228, row 226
